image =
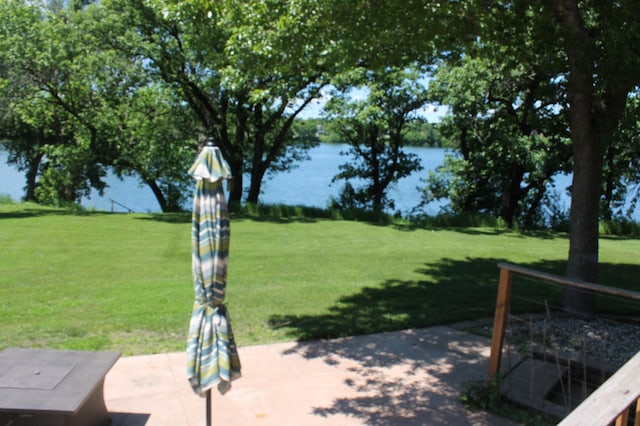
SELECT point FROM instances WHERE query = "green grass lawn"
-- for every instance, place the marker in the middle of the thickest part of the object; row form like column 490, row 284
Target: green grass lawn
column 123, row 281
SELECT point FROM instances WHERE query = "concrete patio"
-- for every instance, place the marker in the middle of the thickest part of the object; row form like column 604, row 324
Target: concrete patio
column 411, row 377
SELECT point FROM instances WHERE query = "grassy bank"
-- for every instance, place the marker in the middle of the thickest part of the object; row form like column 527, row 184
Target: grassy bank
column 123, row 281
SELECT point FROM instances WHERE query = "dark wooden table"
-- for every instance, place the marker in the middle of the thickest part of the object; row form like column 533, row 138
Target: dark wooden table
column 53, row 387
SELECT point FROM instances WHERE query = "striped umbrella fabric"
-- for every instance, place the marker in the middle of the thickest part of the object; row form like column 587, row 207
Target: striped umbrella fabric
column 212, row 355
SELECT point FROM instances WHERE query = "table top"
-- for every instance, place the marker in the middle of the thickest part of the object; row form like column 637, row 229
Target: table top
column 47, row 380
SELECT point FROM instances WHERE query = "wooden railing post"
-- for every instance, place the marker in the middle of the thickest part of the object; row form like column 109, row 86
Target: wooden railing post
column 623, row 418
column 500, row 320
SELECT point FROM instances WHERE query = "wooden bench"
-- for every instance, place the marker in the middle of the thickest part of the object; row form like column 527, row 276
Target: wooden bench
column 53, row 387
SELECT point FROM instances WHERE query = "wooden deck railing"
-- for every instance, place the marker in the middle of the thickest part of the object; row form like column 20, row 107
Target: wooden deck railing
column 613, row 399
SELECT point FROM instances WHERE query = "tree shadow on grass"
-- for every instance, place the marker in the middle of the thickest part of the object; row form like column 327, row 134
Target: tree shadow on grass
column 27, row 212
column 178, row 217
column 452, row 290
column 284, row 214
column 413, row 226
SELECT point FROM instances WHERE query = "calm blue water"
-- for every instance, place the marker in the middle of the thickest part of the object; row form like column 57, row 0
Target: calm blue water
column 309, row 184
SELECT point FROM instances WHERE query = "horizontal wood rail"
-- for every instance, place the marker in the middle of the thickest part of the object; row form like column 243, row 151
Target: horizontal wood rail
column 613, row 397
column 609, row 402
column 570, row 281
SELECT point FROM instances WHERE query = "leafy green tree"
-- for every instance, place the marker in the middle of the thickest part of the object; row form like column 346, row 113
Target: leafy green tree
column 151, row 133
column 509, row 134
column 331, row 131
column 375, row 129
column 598, row 74
column 156, row 143
column 422, row 133
column 603, row 67
column 310, row 129
column 595, row 44
column 46, row 93
column 76, row 99
column 246, row 69
column 621, row 179
column 23, row 142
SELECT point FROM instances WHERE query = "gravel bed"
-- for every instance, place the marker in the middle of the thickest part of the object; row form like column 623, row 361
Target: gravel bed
column 602, row 342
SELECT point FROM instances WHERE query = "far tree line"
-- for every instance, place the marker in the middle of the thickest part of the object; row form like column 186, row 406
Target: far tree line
column 418, row 133
column 533, row 88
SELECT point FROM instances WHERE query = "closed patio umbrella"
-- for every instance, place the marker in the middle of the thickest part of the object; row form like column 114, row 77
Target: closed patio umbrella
column 212, row 355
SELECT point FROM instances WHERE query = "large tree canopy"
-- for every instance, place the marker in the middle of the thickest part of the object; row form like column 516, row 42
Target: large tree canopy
column 245, row 69
column 49, row 95
column 592, row 46
column 600, row 40
column 597, row 43
column 375, row 129
column 71, row 103
column 510, row 133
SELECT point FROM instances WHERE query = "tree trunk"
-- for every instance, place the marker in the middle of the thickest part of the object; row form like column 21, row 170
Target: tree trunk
column 32, row 175
column 258, row 168
column 257, row 174
column 594, row 117
column 511, row 196
column 583, row 219
column 235, row 187
column 587, row 159
column 158, row 194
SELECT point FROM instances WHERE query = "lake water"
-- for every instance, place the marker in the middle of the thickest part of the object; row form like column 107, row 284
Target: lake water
column 309, row 184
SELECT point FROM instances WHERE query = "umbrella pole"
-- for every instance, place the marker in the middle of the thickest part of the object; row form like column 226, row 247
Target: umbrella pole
column 209, row 407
